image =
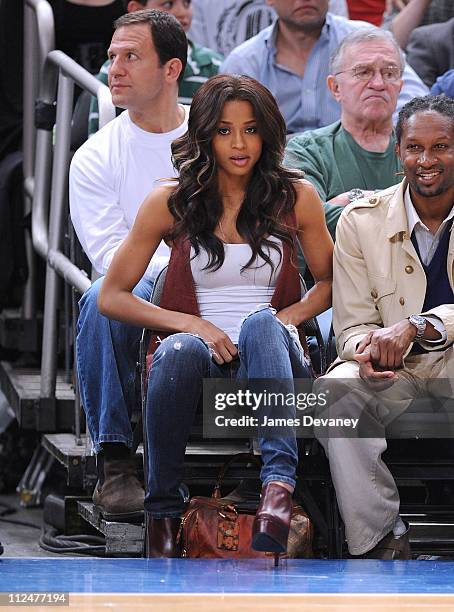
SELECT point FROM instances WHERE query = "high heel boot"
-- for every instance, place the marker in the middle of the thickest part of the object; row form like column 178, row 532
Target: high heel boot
column 272, row 520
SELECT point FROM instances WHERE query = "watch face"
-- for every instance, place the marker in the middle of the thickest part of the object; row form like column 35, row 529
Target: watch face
column 418, row 320
column 420, row 324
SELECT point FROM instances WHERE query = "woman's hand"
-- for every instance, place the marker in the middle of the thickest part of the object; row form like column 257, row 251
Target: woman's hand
column 223, row 349
column 290, row 315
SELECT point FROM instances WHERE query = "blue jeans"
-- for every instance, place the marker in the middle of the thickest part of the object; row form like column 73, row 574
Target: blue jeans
column 180, row 363
column 107, row 353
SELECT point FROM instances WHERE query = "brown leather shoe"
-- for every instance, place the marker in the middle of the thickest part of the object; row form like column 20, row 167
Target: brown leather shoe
column 272, row 520
column 120, row 497
column 391, row 547
column 161, row 537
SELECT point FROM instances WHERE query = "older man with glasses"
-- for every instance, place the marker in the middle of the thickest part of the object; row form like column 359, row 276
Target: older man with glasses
column 292, row 58
column 353, row 156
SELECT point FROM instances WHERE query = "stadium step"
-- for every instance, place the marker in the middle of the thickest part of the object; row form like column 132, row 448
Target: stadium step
column 122, row 539
column 18, row 333
column 75, row 456
column 21, row 387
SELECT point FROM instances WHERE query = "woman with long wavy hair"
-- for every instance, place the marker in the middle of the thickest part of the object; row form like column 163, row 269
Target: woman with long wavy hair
column 232, row 295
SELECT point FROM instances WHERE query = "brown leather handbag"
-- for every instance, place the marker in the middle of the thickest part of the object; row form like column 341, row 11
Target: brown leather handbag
column 221, row 527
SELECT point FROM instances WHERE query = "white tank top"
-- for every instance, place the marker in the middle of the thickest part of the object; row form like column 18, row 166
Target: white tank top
column 227, row 295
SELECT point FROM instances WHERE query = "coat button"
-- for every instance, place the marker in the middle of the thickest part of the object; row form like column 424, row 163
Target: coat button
column 401, row 301
column 374, row 294
column 408, row 269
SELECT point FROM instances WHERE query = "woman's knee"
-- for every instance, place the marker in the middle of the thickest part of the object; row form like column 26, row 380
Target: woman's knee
column 259, row 320
column 259, row 327
column 182, row 350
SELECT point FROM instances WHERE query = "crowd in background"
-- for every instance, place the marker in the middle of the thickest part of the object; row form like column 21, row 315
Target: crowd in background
column 424, row 28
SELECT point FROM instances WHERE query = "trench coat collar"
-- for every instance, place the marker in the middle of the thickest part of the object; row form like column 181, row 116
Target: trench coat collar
column 396, row 218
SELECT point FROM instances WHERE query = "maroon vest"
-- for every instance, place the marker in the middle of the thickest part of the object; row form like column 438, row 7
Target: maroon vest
column 179, row 292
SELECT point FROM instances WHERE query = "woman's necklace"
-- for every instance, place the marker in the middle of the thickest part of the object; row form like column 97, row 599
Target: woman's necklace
column 223, row 236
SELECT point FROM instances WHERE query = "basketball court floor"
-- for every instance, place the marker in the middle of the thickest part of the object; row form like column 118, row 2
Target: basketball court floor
column 224, row 585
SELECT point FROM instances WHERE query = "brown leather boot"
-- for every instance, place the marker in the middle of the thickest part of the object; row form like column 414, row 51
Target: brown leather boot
column 391, row 547
column 120, row 496
column 272, row 520
column 161, row 537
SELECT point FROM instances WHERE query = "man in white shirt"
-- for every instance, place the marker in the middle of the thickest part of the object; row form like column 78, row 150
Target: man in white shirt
column 110, row 176
column 393, row 314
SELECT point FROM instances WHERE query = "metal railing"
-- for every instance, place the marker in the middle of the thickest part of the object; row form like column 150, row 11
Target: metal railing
column 46, row 169
column 39, row 40
column 48, row 235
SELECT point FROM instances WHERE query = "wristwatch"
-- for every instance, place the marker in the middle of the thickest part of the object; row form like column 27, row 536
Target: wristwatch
column 355, row 194
column 420, row 323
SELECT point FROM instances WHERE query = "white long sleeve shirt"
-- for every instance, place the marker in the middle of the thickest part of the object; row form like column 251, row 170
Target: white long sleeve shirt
column 110, row 176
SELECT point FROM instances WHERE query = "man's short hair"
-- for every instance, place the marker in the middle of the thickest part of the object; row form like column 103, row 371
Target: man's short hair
column 364, row 35
column 439, row 104
column 167, row 35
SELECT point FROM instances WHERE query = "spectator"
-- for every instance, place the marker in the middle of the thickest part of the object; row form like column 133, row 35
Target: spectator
column 367, row 10
column 373, row 11
column 392, row 299
column 202, row 62
column 444, row 85
column 417, row 13
column 291, row 58
column 358, row 152
column 83, row 29
column 14, row 270
column 224, row 24
column 430, row 50
column 110, row 176
column 11, row 76
column 233, row 219
column 438, row 11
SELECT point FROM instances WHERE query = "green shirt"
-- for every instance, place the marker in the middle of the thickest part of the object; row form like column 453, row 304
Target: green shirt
column 202, row 64
column 335, row 163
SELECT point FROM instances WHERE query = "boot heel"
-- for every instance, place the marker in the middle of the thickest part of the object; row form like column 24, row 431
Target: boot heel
column 272, row 521
column 267, row 536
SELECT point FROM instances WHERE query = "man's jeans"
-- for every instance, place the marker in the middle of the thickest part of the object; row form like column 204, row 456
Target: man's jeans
column 180, row 363
column 107, row 353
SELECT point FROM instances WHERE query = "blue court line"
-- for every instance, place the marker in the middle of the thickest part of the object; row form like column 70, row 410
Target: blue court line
column 77, row 575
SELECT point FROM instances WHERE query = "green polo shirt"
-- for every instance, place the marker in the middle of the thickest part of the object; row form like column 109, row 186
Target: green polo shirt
column 335, row 163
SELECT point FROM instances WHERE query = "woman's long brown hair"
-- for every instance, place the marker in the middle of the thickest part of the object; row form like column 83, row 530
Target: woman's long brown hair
column 196, row 203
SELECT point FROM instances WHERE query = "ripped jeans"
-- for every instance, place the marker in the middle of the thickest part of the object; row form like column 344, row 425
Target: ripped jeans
column 266, row 349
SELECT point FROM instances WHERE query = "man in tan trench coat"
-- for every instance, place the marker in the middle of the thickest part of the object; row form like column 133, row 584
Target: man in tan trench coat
column 393, row 310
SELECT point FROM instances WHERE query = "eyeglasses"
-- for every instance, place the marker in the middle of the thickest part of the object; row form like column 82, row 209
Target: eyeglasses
column 389, row 74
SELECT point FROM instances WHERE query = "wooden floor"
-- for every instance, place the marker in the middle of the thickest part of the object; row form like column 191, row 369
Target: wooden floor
column 202, row 585
column 247, row 603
